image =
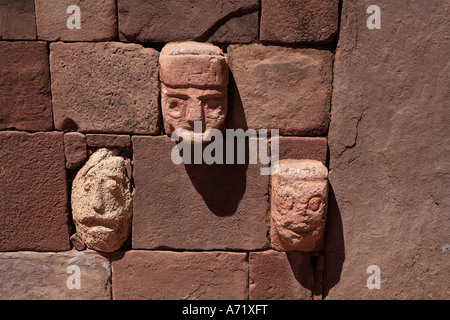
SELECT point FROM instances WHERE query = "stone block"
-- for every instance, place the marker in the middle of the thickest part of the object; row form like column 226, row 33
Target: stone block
column 277, row 275
column 389, row 154
column 97, row 20
column 17, row 20
column 33, row 193
column 105, row 87
column 196, row 206
column 166, row 275
column 303, row 148
column 69, row 275
column 25, row 99
column 222, row 21
column 75, row 149
column 108, row 141
column 281, row 88
column 299, row 21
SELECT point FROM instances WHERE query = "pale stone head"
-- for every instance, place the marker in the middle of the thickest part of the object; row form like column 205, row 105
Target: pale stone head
column 194, row 79
column 299, row 205
column 102, row 201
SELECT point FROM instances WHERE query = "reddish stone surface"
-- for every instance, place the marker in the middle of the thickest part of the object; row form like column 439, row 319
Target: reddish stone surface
column 299, row 21
column 390, row 156
column 108, row 141
column 196, row 206
column 164, row 21
column 98, row 20
column 277, row 275
column 25, row 100
column 33, row 192
column 120, row 80
column 48, row 275
column 303, row 148
column 17, row 20
column 166, row 275
column 297, row 81
column 75, row 149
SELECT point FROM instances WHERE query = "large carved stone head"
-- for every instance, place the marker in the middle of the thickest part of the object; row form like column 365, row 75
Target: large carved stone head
column 194, row 79
column 299, row 205
column 101, row 201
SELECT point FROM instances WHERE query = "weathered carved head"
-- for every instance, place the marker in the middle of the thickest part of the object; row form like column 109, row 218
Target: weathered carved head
column 101, row 201
column 194, row 79
column 299, row 205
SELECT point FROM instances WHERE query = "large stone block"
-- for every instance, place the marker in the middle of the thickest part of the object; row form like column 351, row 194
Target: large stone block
column 33, row 192
column 25, row 100
column 390, row 157
column 98, row 20
column 222, row 21
column 166, row 275
column 196, row 206
column 280, row 88
column 277, row 275
column 105, row 87
column 17, row 20
column 299, row 21
column 67, row 275
column 303, row 148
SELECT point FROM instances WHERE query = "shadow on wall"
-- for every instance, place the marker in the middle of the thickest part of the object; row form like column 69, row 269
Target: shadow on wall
column 334, row 245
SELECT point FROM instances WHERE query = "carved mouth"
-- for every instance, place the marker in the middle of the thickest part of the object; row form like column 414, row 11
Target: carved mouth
column 99, row 222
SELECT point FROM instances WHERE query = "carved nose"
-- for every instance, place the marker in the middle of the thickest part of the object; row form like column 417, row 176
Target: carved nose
column 97, row 201
column 194, row 112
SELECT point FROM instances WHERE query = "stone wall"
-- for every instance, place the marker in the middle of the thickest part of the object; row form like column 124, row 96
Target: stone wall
column 92, row 205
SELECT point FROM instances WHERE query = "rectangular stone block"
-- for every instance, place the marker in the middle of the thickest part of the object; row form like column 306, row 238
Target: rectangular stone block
column 33, row 192
column 25, row 99
column 299, row 21
column 168, row 275
column 275, row 87
column 75, row 149
column 105, row 87
column 222, row 21
column 196, row 206
column 17, row 20
column 277, row 275
column 67, row 275
column 108, row 141
column 76, row 20
column 389, row 154
column 303, row 148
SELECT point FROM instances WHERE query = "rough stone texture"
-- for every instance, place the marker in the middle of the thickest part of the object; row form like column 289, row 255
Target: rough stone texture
column 74, row 149
column 280, row 88
column 224, row 21
column 303, row 148
column 277, row 275
column 108, row 141
column 45, row 276
column 299, row 21
column 389, row 144
column 17, row 20
column 101, row 201
column 194, row 79
column 25, row 100
column 299, row 205
column 77, row 243
column 196, row 206
column 120, row 80
column 98, row 20
column 166, row 275
column 33, row 192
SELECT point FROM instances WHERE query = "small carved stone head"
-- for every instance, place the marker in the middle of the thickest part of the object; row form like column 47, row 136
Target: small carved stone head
column 101, row 201
column 194, row 79
column 299, row 205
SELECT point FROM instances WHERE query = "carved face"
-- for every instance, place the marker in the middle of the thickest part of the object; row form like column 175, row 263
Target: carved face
column 194, row 80
column 101, row 202
column 299, row 204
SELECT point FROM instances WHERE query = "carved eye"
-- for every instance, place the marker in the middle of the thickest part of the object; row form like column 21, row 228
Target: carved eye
column 287, row 202
column 175, row 107
column 213, row 109
column 315, row 203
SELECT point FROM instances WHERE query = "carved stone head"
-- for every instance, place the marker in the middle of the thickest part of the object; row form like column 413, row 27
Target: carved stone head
column 299, row 205
column 101, row 201
column 194, row 79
